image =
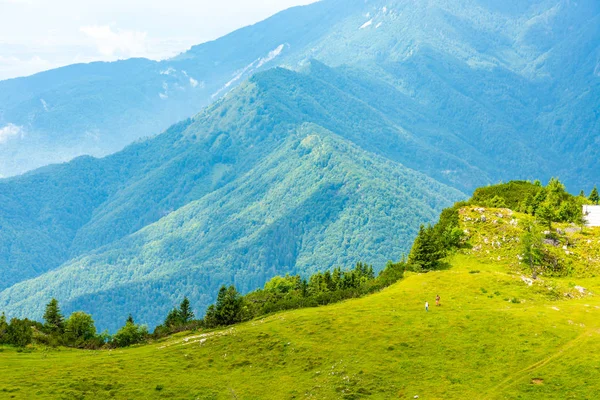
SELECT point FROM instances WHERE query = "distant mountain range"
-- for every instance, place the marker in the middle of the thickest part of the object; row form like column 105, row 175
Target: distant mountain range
column 526, row 72
column 331, row 132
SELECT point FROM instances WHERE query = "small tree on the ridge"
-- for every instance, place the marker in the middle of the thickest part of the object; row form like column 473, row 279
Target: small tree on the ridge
column 546, row 214
column 594, row 196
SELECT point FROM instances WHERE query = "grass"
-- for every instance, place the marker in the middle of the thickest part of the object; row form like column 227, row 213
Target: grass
column 493, row 337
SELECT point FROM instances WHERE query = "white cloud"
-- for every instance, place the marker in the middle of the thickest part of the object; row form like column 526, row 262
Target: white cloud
column 37, row 35
column 122, row 43
column 193, row 82
column 9, row 131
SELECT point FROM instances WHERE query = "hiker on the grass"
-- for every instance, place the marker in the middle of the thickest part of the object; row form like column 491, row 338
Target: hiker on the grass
column 426, row 306
column 437, row 300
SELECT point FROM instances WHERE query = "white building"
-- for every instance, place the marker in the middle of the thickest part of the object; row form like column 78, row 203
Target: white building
column 592, row 215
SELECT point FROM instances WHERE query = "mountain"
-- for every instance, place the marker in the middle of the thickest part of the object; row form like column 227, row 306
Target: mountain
column 496, row 335
column 99, row 108
column 519, row 82
column 379, row 115
column 287, row 173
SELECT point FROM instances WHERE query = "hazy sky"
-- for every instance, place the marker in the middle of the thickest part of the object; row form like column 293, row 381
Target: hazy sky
column 37, row 35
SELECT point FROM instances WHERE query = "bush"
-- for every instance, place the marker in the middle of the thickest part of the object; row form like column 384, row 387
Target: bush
column 130, row 334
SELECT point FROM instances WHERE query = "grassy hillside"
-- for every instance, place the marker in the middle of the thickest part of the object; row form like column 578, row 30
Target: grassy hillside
column 493, row 337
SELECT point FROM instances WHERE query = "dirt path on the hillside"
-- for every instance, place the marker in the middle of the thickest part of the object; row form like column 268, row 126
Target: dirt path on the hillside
column 513, row 378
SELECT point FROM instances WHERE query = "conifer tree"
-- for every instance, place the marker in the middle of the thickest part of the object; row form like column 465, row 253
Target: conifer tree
column 228, row 308
column 594, row 196
column 427, row 250
column 54, row 320
column 546, row 214
column 130, row 319
column 3, row 329
column 173, row 319
column 185, row 311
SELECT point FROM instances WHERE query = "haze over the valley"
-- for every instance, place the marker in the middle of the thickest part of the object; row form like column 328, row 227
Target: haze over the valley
column 38, row 35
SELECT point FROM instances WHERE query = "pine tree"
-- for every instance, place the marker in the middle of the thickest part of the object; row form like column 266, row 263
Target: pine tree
column 3, row 329
column 594, row 196
column 185, row 311
column 173, row 319
column 427, row 250
column 130, row 320
column 228, row 308
column 546, row 214
column 54, row 320
column 537, row 200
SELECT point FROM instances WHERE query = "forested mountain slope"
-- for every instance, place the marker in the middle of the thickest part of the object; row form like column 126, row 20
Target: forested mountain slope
column 279, row 176
column 514, row 80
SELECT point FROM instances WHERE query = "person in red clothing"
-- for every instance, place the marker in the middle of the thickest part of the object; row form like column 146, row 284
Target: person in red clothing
column 437, row 300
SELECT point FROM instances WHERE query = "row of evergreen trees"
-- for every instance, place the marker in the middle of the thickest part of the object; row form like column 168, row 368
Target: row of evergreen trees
column 553, row 203
column 78, row 330
column 433, row 243
column 280, row 293
column 283, row 293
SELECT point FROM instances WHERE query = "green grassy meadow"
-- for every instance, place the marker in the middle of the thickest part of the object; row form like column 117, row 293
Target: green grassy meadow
column 493, row 337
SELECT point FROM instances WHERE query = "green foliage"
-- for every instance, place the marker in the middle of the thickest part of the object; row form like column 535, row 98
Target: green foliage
column 551, row 203
column 428, row 249
column 594, row 196
column 80, row 329
column 19, row 332
column 228, row 309
column 291, row 292
column 3, row 329
column 509, row 195
column 546, row 214
column 130, row 334
column 532, row 247
column 54, row 321
column 283, row 204
column 185, row 312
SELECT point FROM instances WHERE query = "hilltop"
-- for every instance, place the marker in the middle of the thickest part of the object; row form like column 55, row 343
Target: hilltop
column 498, row 334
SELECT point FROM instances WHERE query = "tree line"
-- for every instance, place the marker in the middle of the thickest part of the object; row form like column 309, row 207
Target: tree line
column 432, row 245
column 231, row 307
